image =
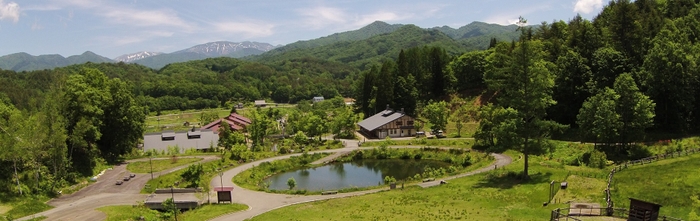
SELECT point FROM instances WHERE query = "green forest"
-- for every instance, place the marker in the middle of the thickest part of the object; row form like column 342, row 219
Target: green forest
column 632, row 69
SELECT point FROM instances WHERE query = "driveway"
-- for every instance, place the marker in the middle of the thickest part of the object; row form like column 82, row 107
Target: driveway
column 261, row 202
column 81, row 205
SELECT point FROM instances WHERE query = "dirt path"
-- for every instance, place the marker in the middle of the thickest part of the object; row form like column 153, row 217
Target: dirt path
column 261, row 202
column 81, row 205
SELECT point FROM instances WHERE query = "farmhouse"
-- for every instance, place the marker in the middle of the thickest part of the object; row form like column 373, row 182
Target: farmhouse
column 184, row 140
column 235, row 121
column 389, row 123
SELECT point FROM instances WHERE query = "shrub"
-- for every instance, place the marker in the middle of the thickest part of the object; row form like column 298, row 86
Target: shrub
column 291, row 182
column 596, row 159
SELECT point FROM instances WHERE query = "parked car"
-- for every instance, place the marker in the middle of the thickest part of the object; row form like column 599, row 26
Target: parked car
column 440, row 134
column 119, row 182
column 127, row 178
column 420, row 134
column 132, row 175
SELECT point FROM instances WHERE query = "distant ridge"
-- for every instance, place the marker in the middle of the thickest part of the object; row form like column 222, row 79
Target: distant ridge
column 208, row 50
column 26, row 62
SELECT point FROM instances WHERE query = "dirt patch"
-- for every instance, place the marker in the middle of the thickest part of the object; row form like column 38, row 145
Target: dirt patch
column 5, row 208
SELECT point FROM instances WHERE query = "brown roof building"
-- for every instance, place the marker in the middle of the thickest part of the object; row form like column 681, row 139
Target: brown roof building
column 235, row 121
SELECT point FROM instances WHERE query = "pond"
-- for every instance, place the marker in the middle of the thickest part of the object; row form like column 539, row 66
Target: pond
column 361, row 173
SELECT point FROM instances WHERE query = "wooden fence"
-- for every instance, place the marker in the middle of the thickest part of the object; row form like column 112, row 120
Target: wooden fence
column 560, row 214
column 647, row 160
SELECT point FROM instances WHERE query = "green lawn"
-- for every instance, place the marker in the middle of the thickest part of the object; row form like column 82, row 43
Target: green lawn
column 463, row 143
column 22, row 207
column 205, row 212
column 158, row 165
column 497, row 195
column 211, row 211
column 668, row 182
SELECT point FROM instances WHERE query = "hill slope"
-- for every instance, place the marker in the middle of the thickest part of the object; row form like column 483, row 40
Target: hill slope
column 374, row 49
column 26, row 62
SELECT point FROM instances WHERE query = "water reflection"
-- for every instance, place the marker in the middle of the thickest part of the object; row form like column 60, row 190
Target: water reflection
column 362, row 173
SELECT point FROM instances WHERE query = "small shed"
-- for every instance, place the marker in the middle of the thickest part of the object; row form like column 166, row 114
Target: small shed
column 260, row 103
column 224, row 193
column 643, row 211
column 318, row 99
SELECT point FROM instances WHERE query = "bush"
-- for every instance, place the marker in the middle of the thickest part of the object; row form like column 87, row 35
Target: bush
column 595, row 159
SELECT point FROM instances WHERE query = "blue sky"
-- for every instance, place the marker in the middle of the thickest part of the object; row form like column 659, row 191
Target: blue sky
column 115, row 27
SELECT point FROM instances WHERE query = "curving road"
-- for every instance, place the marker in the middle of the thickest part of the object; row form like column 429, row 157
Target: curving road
column 81, row 205
column 261, row 202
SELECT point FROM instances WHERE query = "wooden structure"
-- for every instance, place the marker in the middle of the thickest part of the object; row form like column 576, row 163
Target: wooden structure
column 643, row 211
column 235, row 121
column 224, row 194
column 388, row 123
column 184, row 198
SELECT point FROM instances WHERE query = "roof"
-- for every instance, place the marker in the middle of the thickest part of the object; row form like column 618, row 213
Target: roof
column 239, row 117
column 181, row 140
column 223, row 188
column 259, row 102
column 380, row 119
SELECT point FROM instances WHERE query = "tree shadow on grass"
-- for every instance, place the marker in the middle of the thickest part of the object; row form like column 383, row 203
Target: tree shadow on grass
column 509, row 179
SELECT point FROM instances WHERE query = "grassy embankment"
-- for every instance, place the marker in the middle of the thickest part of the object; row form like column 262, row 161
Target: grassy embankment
column 205, row 212
column 669, row 182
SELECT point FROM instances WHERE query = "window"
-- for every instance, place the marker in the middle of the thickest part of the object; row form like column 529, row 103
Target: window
column 410, row 123
column 399, row 123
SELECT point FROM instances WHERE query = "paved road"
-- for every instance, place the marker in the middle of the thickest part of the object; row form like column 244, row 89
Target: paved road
column 81, row 205
column 261, row 202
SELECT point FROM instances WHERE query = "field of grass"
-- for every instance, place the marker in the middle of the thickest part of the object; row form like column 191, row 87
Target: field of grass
column 496, row 195
column 669, row 182
column 205, row 212
column 211, row 211
column 158, row 165
column 15, row 208
column 463, row 143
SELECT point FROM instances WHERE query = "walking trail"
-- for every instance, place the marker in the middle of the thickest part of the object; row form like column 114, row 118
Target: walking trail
column 261, row 202
column 82, row 205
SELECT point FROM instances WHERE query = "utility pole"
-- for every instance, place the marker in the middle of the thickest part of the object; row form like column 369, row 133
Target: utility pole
column 172, row 193
column 150, row 161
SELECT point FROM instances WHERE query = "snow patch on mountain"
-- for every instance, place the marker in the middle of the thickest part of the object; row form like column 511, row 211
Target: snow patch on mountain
column 136, row 56
column 221, row 48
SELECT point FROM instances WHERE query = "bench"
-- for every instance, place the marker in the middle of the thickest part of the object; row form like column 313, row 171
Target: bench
column 329, row 192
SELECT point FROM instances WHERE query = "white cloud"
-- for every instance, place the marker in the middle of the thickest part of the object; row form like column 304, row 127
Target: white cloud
column 379, row 16
column 320, row 17
column 134, row 38
column 247, row 29
column 337, row 19
column 587, row 6
column 9, row 11
column 145, row 18
column 512, row 17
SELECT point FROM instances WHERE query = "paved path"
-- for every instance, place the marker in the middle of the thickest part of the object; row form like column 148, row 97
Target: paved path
column 261, row 202
column 81, row 205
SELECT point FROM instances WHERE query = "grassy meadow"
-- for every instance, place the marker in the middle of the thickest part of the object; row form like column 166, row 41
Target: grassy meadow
column 495, row 195
column 205, row 212
column 669, row 182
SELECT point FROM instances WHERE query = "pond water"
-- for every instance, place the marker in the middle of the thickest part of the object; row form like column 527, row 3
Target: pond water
column 361, row 173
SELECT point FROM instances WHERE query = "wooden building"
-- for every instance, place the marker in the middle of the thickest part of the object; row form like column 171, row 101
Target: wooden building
column 388, row 123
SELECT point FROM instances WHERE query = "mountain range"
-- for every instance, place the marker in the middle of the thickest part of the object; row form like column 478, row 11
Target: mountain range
column 475, row 35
